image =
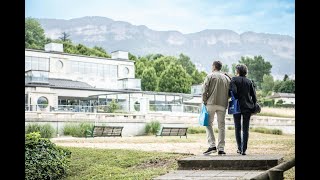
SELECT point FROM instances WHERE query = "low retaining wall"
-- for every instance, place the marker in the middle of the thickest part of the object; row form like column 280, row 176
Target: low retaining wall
column 134, row 123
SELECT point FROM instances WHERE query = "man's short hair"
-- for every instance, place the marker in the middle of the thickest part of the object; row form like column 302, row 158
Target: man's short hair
column 242, row 69
column 217, row 65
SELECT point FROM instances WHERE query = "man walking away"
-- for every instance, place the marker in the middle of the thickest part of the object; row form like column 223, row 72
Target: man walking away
column 215, row 97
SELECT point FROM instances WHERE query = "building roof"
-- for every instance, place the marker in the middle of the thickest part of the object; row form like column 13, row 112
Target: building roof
column 79, row 85
column 68, row 83
column 79, row 55
column 283, row 95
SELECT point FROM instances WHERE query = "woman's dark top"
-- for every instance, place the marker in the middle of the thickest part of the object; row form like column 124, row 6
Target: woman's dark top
column 244, row 91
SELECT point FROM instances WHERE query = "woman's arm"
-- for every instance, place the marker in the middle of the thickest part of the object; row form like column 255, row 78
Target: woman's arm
column 233, row 88
column 253, row 93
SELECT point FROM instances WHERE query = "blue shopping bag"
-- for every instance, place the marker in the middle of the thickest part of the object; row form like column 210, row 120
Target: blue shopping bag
column 234, row 106
column 204, row 116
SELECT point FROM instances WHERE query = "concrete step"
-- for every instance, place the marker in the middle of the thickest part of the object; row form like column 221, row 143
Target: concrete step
column 210, row 174
column 230, row 162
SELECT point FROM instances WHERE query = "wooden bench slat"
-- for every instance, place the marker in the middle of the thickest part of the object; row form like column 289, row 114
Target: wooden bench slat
column 173, row 131
column 104, row 131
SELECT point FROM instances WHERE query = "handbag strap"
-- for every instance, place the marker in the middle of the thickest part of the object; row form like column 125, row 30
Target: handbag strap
column 232, row 96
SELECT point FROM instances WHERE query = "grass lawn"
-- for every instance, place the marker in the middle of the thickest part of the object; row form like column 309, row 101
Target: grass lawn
column 87, row 163
column 94, row 163
column 277, row 112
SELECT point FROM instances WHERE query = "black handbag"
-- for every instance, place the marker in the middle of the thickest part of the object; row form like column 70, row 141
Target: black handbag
column 256, row 109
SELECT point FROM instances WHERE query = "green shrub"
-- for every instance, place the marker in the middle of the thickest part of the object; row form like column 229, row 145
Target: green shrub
column 261, row 130
column 199, row 130
column 45, row 130
column 77, row 130
column 276, row 131
column 196, row 130
column 267, row 102
column 43, row 159
column 152, row 127
column 113, row 106
column 267, row 130
column 285, row 105
column 230, row 127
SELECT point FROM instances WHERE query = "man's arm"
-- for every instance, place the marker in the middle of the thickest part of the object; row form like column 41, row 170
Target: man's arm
column 205, row 90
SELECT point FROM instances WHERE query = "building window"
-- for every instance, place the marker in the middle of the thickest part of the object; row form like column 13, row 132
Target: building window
column 27, row 63
column 36, row 63
column 137, row 106
column 106, row 71
column 43, row 64
column 126, row 71
column 59, row 64
column 114, row 71
column 82, row 68
column 42, row 102
column 100, row 71
column 75, row 67
column 93, row 69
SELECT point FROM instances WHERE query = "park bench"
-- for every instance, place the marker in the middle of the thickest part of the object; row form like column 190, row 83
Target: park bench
column 105, row 131
column 173, row 131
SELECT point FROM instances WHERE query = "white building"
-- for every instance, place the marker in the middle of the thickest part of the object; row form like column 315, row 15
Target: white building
column 58, row 81
column 287, row 98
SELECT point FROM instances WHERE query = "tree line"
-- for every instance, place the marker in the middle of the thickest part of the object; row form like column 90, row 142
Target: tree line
column 163, row 73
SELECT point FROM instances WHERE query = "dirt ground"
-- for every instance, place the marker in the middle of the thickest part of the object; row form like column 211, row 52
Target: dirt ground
column 194, row 144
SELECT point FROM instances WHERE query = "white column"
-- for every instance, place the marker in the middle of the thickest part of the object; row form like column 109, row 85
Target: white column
column 144, row 104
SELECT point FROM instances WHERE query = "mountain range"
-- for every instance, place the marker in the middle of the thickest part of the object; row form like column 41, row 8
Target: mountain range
column 202, row 47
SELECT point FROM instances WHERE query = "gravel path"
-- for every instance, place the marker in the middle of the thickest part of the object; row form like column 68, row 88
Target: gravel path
column 192, row 145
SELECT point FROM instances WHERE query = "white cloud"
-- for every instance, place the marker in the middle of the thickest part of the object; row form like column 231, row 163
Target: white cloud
column 186, row 16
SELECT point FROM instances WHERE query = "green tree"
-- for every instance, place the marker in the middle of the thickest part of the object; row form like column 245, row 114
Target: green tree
column 132, row 57
column 149, row 79
column 100, row 49
column 186, row 63
column 225, row 68
column 267, row 84
column 257, row 67
column 198, row 77
column 68, row 47
column 233, row 69
column 64, row 37
column 286, row 77
column 277, row 85
column 279, row 102
column 287, row 86
column 140, row 66
column 175, row 79
column 34, row 34
column 160, row 64
column 152, row 57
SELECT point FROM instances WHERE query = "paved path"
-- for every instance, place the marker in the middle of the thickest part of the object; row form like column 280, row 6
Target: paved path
column 222, row 167
column 209, row 174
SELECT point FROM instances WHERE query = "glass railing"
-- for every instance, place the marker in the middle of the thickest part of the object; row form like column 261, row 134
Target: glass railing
column 196, row 89
column 121, row 108
column 37, row 77
column 130, row 84
column 72, row 108
column 35, row 108
column 174, row 108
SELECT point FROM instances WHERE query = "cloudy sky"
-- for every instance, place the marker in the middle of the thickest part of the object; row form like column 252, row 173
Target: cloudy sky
column 186, row 16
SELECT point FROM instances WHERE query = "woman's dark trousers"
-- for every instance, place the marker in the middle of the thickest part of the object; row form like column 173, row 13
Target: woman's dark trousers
column 242, row 141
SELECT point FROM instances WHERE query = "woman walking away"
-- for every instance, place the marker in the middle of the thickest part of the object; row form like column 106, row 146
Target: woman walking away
column 243, row 90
